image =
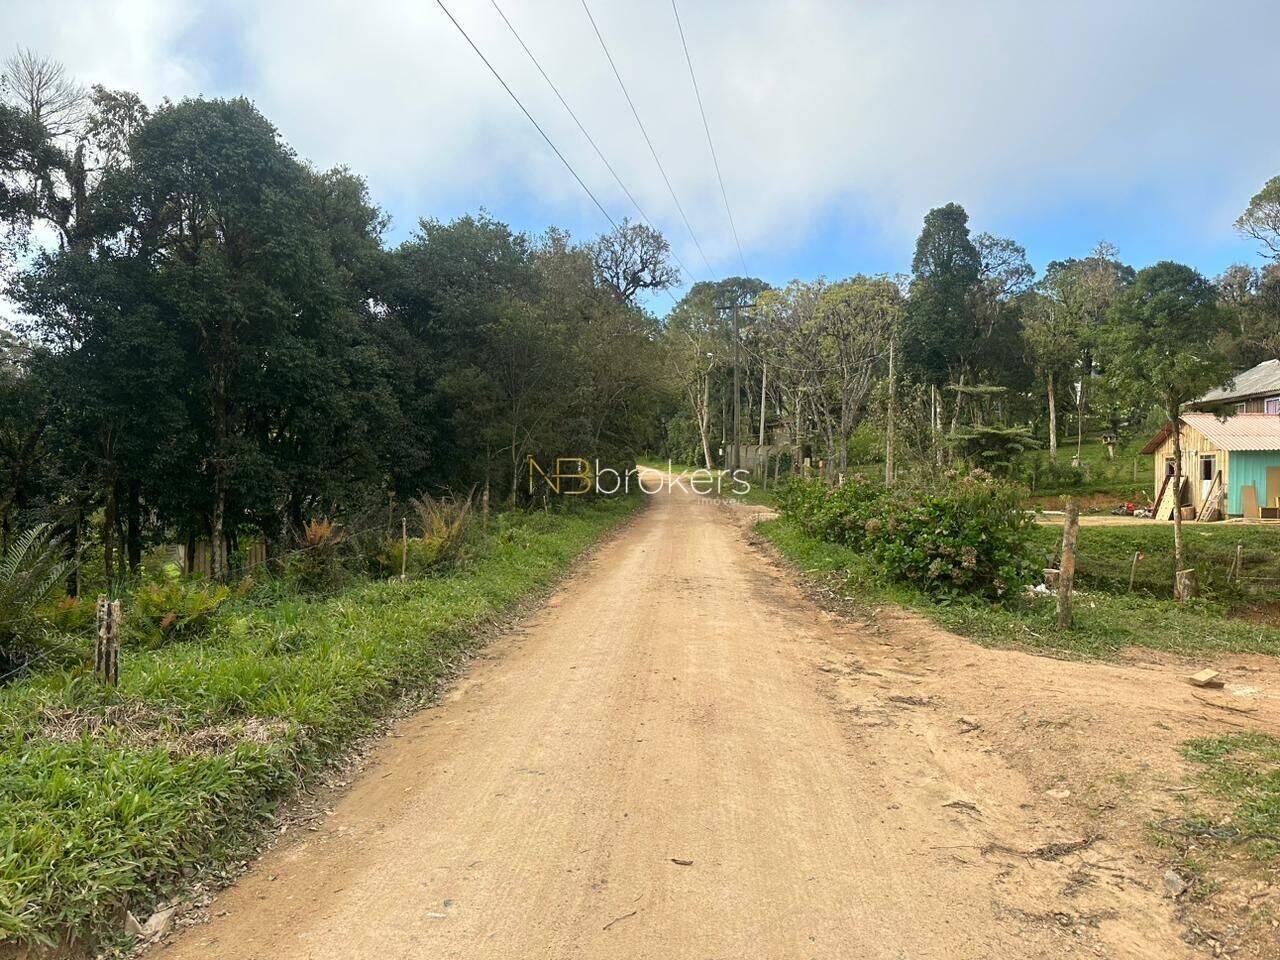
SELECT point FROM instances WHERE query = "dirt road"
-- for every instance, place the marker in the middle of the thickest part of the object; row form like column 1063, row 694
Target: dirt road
column 680, row 756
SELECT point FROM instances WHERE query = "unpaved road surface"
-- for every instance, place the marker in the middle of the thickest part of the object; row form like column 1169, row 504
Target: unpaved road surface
column 681, row 756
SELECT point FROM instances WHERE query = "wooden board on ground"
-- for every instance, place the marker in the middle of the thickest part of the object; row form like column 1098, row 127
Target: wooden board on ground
column 1205, row 678
column 1168, row 498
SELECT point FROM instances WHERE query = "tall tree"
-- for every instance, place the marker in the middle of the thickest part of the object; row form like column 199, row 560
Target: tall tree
column 1261, row 218
column 1252, row 297
column 856, row 319
column 634, row 258
column 1157, row 342
column 939, row 331
column 1051, row 338
column 1087, row 289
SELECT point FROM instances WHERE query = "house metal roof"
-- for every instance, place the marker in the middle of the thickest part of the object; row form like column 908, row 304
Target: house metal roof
column 1264, row 378
column 1243, row 431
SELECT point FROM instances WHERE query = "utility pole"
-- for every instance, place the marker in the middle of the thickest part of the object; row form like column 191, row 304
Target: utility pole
column 737, row 389
column 888, row 431
column 764, row 396
column 733, row 459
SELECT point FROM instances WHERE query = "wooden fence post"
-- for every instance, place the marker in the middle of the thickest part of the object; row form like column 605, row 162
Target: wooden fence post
column 106, row 660
column 1066, row 578
column 1133, row 570
column 404, row 547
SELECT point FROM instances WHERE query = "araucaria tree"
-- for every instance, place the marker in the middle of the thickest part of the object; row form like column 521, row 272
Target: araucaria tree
column 1158, row 340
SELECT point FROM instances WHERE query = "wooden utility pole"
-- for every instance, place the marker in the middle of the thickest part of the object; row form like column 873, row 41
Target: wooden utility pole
column 888, row 433
column 733, row 459
column 1067, row 569
column 404, row 547
column 737, row 389
column 764, row 383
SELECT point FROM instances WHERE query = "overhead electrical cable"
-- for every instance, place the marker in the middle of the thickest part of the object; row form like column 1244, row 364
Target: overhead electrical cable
column 645, row 133
column 510, row 93
column 599, row 153
column 724, row 194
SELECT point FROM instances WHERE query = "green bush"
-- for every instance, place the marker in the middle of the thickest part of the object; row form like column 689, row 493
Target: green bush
column 172, row 609
column 866, row 444
column 952, row 534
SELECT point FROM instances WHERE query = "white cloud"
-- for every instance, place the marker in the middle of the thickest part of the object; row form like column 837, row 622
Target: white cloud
column 874, row 110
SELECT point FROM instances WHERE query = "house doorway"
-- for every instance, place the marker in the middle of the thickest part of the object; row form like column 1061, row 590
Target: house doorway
column 1208, row 470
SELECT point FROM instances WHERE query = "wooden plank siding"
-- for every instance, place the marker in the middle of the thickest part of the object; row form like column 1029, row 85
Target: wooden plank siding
column 1194, row 445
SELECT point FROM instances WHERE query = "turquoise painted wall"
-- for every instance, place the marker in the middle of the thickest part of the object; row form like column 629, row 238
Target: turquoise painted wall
column 1249, row 467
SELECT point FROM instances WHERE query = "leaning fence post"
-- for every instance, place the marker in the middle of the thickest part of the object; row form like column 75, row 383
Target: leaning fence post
column 404, row 547
column 1133, row 570
column 106, row 660
column 1066, row 578
column 1239, row 565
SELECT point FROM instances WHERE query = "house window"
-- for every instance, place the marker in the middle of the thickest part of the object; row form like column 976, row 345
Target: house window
column 1169, row 466
column 1241, row 407
column 1208, row 467
column 1272, row 405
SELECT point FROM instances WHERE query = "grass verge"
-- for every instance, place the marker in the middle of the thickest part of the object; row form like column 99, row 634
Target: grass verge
column 1243, row 771
column 107, row 798
column 1105, row 623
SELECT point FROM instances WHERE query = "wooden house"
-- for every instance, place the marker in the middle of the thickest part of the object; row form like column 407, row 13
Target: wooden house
column 1256, row 390
column 1230, row 466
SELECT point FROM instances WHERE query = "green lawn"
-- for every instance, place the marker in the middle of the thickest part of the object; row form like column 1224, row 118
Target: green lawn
column 1106, row 623
column 1105, row 557
column 1126, row 478
column 1243, row 770
column 108, row 797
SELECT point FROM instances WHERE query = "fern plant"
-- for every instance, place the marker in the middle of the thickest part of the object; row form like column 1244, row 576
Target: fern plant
column 32, row 569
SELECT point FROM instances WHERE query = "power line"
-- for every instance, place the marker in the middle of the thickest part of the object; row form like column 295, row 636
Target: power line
column 511, row 94
column 640, row 123
column 724, row 194
column 599, row 153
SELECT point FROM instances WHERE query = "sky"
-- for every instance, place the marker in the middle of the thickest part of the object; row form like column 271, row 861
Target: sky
column 838, row 123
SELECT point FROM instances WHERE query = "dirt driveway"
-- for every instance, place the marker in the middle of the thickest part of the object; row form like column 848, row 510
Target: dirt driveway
column 682, row 756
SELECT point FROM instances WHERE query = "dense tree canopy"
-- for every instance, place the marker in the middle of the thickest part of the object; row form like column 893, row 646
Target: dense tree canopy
column 216, row 340
column 220, row 344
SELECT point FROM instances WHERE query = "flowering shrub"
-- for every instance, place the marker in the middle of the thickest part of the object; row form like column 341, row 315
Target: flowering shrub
column 956, row 533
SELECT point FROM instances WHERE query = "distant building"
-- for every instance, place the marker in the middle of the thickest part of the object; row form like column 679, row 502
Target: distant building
column 1256, row 390
column 1230, row 442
